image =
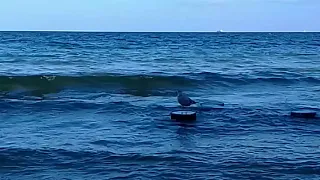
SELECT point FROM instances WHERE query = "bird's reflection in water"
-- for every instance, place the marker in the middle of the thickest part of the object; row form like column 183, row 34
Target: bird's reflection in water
column 186, row 136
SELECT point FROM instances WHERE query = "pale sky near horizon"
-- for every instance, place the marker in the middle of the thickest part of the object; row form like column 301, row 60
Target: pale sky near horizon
column 160, row 15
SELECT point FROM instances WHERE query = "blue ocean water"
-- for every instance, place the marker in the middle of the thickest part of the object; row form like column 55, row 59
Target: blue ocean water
column 97, row 105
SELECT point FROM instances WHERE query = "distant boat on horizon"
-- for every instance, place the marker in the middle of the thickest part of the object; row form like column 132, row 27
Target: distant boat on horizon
column 220, row 31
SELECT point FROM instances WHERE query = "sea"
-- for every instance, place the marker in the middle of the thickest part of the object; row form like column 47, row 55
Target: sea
column 97, row 105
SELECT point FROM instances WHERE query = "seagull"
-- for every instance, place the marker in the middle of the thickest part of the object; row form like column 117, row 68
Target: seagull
column 184, row 100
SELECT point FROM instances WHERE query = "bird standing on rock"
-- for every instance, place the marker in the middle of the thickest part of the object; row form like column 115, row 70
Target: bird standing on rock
column 184, row 100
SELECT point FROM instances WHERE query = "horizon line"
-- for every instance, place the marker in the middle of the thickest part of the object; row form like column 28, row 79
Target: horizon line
column 102, row 31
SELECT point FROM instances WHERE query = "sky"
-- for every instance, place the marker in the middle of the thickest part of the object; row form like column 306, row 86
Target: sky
column 159, row 15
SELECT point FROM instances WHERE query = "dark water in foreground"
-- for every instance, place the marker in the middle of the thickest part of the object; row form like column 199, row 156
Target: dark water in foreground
column 96, row 105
